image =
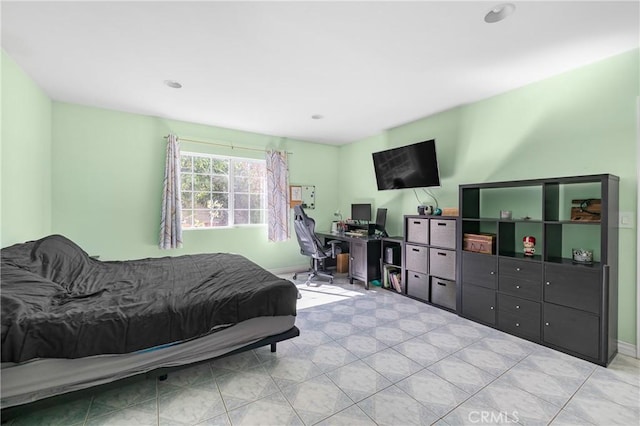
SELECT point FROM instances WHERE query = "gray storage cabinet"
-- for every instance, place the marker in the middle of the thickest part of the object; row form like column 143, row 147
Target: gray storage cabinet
column 429, row 267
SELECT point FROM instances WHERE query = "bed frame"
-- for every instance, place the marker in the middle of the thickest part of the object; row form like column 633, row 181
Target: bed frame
column 161, row 373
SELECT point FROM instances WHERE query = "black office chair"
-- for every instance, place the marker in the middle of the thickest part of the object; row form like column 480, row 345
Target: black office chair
column 311, row 245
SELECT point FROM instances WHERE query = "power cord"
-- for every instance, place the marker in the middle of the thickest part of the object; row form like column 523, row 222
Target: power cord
column 429, row 193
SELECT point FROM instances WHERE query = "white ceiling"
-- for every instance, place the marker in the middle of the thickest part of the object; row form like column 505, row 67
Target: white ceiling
column 267, row 66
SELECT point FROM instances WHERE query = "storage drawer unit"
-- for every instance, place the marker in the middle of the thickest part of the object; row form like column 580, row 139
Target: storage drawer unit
column 518, row 324
column 442, row 233
column 574, row 287
column 479, row 303
column 576, row 303
column 518, row 305
column 418, row 230
column 416, row 258
column 520, row 278
column 443, row 292
column 520, row 288
column 418, row 285
column 442, row 263
column 523, row 269
column 480, row 269
column 519, row 316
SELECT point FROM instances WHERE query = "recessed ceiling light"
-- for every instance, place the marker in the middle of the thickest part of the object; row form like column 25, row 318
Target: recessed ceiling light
column 317, row 117
column 173, row 84
column 499, row 12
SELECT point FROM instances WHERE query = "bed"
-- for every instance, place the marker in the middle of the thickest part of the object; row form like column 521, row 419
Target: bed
column 70, row 321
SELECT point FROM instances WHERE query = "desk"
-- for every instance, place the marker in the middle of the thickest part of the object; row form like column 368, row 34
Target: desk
column 364, row 255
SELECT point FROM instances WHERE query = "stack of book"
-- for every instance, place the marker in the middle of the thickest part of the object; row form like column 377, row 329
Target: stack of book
column 392, row 278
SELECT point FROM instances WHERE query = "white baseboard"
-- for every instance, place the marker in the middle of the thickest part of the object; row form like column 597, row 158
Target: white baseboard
column 290, row 269
column 627, row 349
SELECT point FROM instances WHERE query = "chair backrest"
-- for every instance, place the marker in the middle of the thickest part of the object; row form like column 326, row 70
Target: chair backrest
column 310, row 244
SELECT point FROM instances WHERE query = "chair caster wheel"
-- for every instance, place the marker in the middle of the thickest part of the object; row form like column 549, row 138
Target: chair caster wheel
column 295, row 276
column 350, row 280
column 331, row 281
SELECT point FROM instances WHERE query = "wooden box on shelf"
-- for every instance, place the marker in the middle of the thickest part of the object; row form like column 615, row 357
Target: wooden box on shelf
column 586, row 210
column 480, row 243
column 450, row 211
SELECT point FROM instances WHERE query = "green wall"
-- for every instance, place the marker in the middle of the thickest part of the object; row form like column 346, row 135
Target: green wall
column 580, row 122
column 108, row 169
column 26, row 157
column 107, row 166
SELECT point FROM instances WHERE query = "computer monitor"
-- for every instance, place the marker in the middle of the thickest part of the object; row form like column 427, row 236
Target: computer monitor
column 361, row 212
column 381, row 218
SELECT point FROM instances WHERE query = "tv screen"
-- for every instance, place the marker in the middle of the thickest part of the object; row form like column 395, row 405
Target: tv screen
column 411, row 166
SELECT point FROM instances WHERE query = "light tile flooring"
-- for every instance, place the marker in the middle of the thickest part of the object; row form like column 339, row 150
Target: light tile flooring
column 374, row 357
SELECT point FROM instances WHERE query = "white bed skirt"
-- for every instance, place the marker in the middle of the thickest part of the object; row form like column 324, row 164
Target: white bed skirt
column 44, row 377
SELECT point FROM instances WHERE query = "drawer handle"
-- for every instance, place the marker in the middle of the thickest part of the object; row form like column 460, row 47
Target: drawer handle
column 517, row 286
column 442, row 284
column 518, row 269
column 441, row 254
column 546, row 323
column 491, row 308
column 492, row 273
column 416, row 276
column 548, row 283
column 517, row 324
column 442, row 224
column 517, row 306
column 415, row 249
column 416, row 222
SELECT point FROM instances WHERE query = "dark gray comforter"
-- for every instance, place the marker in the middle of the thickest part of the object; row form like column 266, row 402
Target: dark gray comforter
column 57, row 302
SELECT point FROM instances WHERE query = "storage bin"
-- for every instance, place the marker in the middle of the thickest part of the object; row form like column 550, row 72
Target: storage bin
column 442, row 233
column 417, row 258
column 418, row 230
column 443, row 292
column 442, row 263
column 418, row 285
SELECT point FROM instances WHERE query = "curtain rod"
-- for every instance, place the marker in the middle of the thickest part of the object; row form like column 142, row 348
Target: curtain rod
column 226, row 145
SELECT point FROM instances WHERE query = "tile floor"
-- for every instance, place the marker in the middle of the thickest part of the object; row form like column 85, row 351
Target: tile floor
column 374, row 357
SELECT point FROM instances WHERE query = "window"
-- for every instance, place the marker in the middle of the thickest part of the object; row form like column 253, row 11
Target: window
column 222, row 191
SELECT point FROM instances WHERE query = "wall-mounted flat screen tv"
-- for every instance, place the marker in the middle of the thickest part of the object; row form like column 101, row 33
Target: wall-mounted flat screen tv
column 411, row 166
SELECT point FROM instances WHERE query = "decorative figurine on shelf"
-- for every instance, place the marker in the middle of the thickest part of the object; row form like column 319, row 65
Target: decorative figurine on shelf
column 529, row 244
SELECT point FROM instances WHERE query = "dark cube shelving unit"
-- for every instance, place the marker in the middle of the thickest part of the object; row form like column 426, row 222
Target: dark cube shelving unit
column 547, row 298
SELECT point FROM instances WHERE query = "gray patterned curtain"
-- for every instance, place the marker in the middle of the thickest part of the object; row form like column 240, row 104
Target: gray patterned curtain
column 277, row 196
column 171, row 223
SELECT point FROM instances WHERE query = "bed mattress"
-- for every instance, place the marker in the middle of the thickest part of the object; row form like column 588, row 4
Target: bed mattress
column 58, row 302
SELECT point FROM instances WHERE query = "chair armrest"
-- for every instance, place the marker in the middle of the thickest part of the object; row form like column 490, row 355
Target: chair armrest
column 333, row 244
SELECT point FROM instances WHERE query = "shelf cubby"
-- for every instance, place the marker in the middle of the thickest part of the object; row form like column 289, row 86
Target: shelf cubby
column 511, row 233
